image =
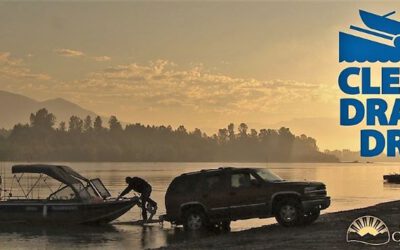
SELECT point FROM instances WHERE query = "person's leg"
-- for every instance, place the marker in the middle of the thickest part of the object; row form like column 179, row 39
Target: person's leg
column 144, row 197
column 150, row 200
column 152, row 204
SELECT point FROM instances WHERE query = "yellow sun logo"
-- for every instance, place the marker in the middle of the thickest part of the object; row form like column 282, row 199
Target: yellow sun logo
column 368, row 230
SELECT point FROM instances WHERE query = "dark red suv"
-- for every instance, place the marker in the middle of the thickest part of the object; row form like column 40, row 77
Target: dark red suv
column 214, row 198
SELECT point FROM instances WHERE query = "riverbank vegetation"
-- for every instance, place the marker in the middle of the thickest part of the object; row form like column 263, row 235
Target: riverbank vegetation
column 89, row 139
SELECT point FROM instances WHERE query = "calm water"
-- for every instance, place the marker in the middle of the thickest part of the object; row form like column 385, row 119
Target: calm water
column 349, row 185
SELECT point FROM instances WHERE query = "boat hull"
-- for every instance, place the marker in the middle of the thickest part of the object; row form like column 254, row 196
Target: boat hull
column 380, row 23
column 36, row 212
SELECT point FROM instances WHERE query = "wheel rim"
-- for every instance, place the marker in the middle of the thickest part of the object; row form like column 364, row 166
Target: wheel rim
column 288, row 213
column 194, row 222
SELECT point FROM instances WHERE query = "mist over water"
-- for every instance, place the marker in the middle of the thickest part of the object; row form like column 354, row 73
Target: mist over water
column 350, row 186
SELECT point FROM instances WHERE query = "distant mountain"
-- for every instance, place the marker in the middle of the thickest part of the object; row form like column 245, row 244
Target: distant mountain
column 15, row 108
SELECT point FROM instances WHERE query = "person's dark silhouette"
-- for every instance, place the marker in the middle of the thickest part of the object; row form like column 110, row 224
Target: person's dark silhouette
column 144, row 188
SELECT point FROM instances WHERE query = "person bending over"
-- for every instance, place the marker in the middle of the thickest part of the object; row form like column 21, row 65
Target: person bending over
column 144, row 188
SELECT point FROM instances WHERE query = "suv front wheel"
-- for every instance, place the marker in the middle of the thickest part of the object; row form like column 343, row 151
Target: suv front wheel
column 289, row 213
column 194, row 220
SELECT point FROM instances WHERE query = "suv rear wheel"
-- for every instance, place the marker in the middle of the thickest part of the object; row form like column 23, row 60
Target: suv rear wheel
column 289, row 213
column 194, row 220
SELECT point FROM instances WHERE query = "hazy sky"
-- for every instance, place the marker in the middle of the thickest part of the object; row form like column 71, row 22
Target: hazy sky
column 197, row 64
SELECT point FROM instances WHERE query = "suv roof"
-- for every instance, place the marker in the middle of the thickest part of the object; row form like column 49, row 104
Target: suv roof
column 213, row 170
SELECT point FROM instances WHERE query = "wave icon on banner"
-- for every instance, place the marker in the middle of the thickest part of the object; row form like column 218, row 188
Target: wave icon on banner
column 368, row 230
column 378, row 41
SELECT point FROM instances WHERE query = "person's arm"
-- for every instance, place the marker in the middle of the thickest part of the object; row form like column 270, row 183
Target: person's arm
column 126, row 190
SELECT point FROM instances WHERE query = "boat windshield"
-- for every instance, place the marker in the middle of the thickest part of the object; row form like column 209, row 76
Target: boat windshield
column 86, row 193
column 67, row 193
column 64, row 193
column 268, row 176
column 98, row 184
column 91, row 191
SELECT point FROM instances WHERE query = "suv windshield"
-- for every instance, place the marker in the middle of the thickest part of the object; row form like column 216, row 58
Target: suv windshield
column 268, row 175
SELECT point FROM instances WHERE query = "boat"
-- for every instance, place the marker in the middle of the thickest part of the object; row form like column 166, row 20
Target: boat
column 392, row 178
column 75, row 200
column 381, row 23
column 379, row 40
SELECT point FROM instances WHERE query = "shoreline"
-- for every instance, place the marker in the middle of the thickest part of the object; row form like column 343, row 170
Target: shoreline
column 99, row 161
column 193, row 162
column 328, row 232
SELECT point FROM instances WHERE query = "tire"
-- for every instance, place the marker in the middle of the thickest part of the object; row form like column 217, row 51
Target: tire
column 194, row 220
column 289, row 213
column 311, row 217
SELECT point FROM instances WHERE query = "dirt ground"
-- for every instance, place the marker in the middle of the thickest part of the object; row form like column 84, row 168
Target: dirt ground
column 328, row 232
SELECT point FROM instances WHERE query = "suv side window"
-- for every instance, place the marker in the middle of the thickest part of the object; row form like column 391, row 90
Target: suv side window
column 214, row 182
column 239, row 180
column 254, row 180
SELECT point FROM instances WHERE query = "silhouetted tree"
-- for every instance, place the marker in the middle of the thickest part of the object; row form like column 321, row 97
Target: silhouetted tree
column 253, row 133
column 87, row 124
column 231, row 131
column 39, row 141
column 114, row 124
column 197, row 133
column 181, row 130
column 42, row 119
column 243, row 130
column 222, row 135
column 98, row 124
column 62, row 127
column 75, row 124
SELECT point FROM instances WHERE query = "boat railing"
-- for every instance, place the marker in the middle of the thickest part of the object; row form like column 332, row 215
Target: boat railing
column 18, row 190
column 41, row 186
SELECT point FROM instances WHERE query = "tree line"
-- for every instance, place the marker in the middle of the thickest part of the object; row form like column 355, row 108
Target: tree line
column 89, row 139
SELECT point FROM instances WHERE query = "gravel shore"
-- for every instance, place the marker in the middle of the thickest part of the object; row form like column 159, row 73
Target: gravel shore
column 328, row 232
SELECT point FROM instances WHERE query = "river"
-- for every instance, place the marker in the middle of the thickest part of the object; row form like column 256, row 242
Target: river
column 351, row 185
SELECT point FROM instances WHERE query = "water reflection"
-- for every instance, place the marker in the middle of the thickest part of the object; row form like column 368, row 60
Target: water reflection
column 60, row 236
column 393, row 186
column 95, row 237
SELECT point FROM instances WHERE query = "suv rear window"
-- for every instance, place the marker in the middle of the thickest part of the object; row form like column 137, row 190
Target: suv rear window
column 183, row 185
